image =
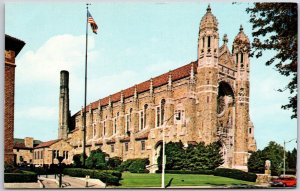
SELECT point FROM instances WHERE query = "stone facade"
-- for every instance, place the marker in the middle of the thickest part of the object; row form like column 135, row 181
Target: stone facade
column 12, row 47
column 46, row 153
column 23, row 150
column 204, row 101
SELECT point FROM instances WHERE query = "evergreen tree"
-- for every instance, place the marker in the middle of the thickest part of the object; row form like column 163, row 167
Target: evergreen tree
column 96, row 159
column 273, row 152
column 256, row 162
column 292, row 159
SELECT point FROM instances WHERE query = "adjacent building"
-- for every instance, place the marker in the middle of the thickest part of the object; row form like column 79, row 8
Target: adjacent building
column 46, row 153
column 23, row 150
column 12, row 48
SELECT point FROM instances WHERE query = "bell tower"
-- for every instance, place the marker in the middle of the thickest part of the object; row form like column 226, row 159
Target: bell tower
column 240, row 53
column 207, row 77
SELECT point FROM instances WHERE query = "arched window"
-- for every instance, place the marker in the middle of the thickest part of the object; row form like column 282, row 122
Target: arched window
column 104, row 129
column 242, row 57
column 208, row 42
column 128, row 120
column 94, row 130
column 115, row 125
column 203, row 41
column 162, row 106
column 145, row 114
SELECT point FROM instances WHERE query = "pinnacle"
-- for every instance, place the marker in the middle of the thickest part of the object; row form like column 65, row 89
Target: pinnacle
column 241, row 28
column 208, row 8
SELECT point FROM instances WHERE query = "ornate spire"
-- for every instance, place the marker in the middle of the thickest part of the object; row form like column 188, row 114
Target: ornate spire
column 208, row 20
column 225, row 39
column 192, row 74
column 90, row 108
column 99, row 105
column 109, row 101
column 241, row 28
column 135, row 92
column 170, row 81
column 208, row 9
column 122, row 97
column 151, row 86
column 241, row 37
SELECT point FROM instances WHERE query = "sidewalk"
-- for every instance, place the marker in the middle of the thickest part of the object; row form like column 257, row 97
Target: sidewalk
column 70, row 182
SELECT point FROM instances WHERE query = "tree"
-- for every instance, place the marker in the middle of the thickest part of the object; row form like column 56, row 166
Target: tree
column 275, row 28
column 256, row 162
column 273, row 152
column 77, row 161
column 292, row 159
column 96, row 159
column 194, row 157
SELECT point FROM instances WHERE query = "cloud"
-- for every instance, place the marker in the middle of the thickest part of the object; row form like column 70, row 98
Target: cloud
column 37, row 113
column 61, row 52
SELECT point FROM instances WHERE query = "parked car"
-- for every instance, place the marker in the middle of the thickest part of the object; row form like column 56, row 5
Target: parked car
column 284, row 181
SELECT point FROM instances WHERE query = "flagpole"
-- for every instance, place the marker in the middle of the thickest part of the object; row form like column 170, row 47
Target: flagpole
column 85, row 86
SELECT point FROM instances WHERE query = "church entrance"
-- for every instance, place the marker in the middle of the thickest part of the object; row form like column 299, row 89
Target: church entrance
column 155, row 156
column 226, row 119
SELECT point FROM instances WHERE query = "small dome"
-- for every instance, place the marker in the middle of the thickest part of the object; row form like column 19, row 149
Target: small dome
column 241, row 36
column 209, row 20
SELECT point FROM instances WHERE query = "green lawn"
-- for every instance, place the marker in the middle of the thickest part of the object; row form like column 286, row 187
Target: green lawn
column 132, row 180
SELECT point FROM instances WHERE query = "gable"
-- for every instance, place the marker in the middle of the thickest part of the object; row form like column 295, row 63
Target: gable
column 225, row 58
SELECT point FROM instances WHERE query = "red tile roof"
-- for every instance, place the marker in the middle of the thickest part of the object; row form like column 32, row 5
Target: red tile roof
column 47, row 144
column 176, row 74
column 20, row 146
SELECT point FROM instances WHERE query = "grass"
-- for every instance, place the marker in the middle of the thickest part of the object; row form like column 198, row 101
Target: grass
column 135, row 180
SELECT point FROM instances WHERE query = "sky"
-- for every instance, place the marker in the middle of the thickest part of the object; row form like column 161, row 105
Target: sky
column 135, row 41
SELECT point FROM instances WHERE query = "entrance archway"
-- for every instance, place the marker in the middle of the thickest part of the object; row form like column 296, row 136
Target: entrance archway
column 155, row 155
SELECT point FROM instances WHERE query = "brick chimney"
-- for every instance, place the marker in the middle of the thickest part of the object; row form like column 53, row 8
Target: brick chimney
column 28, row 141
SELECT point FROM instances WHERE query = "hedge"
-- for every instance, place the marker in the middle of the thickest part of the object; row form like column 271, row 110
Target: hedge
column 208, row 172
column 109, row 177
column 24, row 176
column 139, row 166
column 236, row 174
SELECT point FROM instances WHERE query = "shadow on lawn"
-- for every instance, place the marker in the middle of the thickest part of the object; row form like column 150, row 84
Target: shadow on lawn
column 169, row 183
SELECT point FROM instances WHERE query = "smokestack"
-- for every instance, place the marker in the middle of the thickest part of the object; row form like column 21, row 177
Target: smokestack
column 63, row 105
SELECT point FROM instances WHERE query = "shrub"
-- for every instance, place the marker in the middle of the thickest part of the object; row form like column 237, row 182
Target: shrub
column 96, row 160
column 24, row 176
column 109, row 177
column 124, row 165
column 77, row 161
column 138, row 166
column 236, row 174
column 114, row 162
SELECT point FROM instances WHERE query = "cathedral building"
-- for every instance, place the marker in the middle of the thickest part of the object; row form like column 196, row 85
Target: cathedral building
column 206, row 100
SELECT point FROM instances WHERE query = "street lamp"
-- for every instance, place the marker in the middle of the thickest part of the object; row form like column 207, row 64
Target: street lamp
column 60, row 159
column 106, row 160
column 163, row 152
column 285, row 142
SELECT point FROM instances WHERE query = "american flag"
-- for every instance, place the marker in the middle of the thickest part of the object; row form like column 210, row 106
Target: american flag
column 92, row 22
